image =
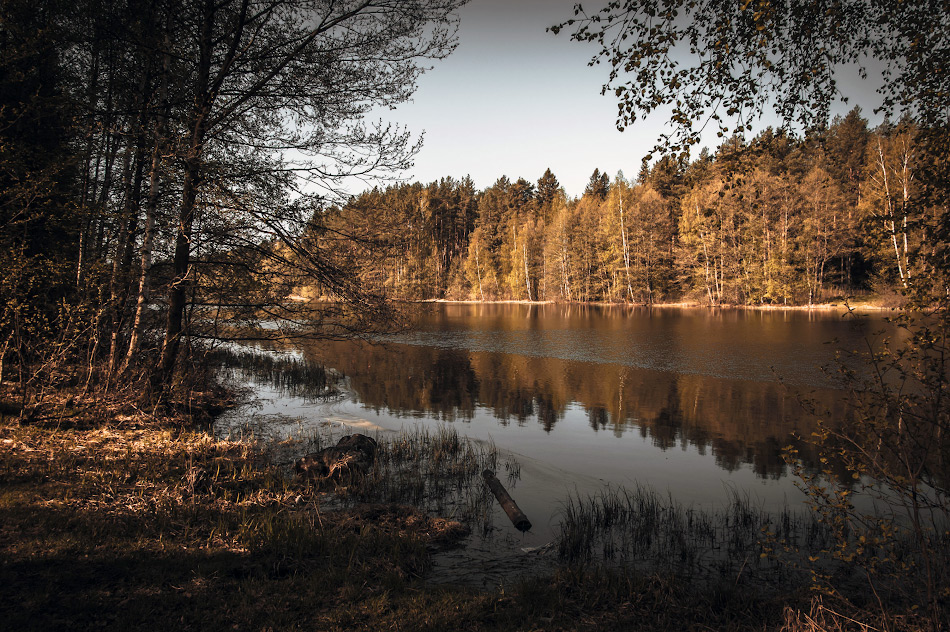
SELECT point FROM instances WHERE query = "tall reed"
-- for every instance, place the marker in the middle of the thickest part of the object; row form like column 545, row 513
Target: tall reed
column 437, row 471
column 643, row 529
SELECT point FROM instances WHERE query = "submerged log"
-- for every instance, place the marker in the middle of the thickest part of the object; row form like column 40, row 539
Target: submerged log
column 507, row 503
column 353, row 454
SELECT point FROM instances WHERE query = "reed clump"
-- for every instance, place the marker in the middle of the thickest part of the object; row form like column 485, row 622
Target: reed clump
column 437, row 471
column 641, row 529
column 288, row 373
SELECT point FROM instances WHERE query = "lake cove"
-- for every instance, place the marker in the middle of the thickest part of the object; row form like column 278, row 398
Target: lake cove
column 695, row 404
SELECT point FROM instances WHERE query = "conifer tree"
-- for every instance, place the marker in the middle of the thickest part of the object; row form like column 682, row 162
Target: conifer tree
column 598, row 185
column 548, row 191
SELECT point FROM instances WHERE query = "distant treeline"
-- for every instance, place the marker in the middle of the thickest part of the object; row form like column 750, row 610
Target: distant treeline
column 773, row 220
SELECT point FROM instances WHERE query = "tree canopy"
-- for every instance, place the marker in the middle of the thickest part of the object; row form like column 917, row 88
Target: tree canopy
column 710, row 62
column 775, row 219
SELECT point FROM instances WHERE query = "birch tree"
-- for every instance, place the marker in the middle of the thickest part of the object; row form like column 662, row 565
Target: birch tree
column 888, row 195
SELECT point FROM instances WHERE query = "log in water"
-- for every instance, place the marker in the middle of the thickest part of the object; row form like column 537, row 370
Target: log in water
column 507, row 503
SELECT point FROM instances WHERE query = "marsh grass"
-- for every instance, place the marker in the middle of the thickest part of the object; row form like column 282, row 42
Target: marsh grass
column 738, row 552
column 287, row 373
column 437, row 471
column 641, row 529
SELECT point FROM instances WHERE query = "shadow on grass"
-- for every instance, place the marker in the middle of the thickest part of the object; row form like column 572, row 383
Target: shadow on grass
column 90, row 572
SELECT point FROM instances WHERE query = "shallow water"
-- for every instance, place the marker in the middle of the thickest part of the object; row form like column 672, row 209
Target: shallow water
column 694, row 403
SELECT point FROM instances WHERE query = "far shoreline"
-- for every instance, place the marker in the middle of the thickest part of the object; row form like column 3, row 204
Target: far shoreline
column 820, row 307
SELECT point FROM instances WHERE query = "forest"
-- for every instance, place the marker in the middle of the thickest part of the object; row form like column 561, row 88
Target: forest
column 774, row 219
column 160, row 163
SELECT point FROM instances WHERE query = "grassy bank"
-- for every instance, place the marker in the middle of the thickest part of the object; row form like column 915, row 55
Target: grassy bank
column 132, row 522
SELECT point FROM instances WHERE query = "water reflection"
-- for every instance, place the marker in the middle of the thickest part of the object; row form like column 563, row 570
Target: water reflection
column 697, row 404
column 737, row 421
column 736, row 344
column 686, row 400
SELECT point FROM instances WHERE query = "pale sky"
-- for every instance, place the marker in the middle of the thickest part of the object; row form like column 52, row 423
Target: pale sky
column 514, row 100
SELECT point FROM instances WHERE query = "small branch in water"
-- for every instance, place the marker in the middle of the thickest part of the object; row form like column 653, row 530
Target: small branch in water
column 507, row 503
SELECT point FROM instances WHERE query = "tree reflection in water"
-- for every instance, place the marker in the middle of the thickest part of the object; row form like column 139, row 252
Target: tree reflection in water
column 738, row 421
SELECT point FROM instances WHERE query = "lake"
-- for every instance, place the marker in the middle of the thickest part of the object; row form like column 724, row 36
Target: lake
column 696, row 403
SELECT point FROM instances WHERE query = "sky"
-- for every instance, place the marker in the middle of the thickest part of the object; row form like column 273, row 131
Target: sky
column 514, row 100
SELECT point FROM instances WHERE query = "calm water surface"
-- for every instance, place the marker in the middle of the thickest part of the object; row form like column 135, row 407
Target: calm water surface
column 694, row 402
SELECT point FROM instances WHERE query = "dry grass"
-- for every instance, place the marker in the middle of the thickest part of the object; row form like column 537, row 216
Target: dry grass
column 826, row 614
column 148, row 525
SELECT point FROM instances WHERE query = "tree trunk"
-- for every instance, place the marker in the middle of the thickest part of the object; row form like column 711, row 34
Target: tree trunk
column 890, row 222
column 181, row 266
column 145, row 266
column 151, row 205
column 626, row 251
column 527, row 278
column 178, row 293
column 478, row 272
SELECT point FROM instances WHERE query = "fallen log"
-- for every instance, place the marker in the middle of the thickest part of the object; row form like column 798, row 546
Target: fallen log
column 507, row 503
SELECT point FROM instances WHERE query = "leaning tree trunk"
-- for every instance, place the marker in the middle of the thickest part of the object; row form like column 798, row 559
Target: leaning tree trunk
column 151, row 205
column 145, row 266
